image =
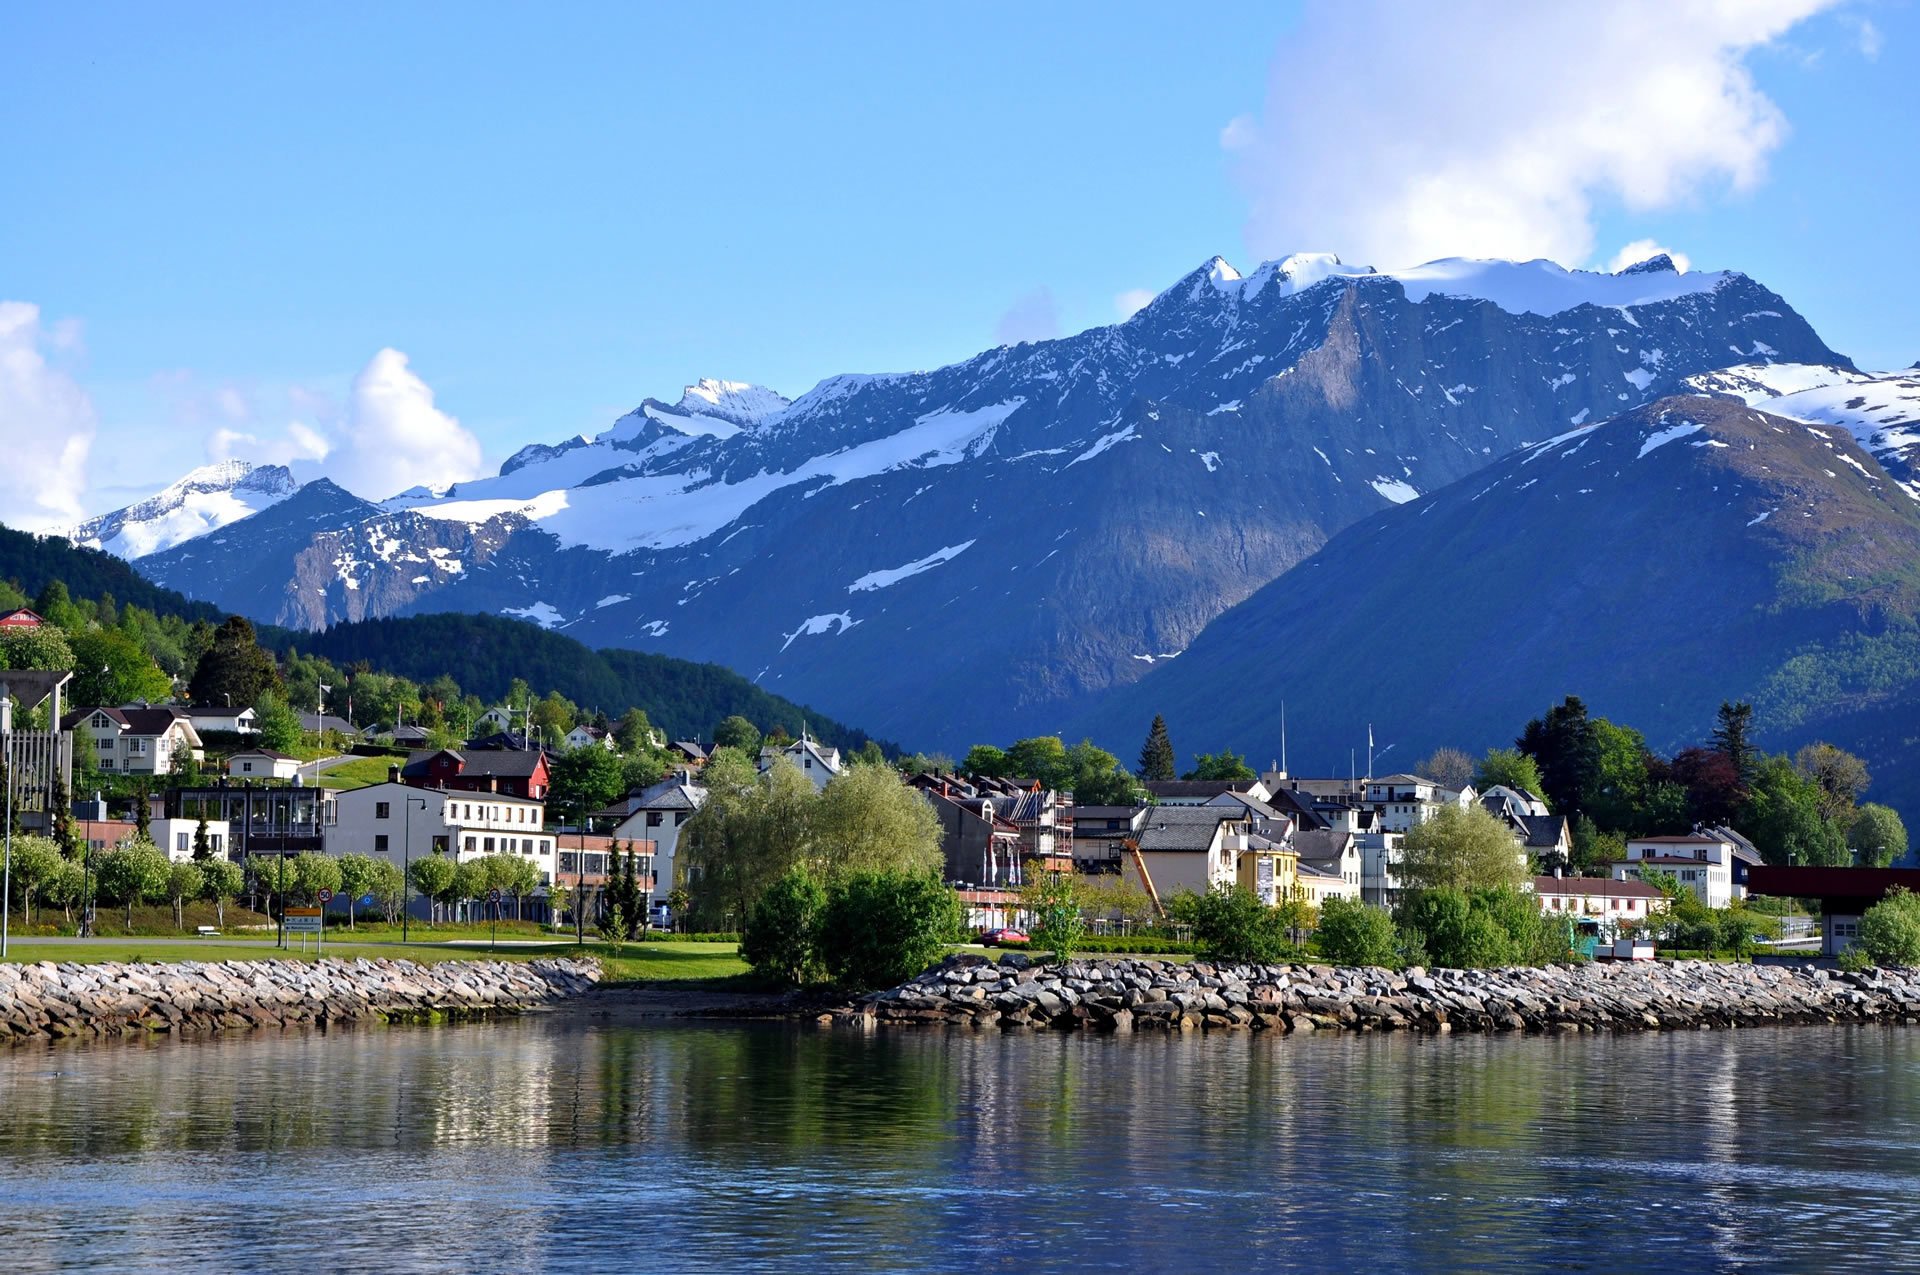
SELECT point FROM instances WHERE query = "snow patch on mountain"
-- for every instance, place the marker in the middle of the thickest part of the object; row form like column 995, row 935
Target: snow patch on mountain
column 894, row 575
column 1880, row 409
column 1661, row 437
column 815, row 625
column 541, row 613
column 1398, row 490
column 204, row 500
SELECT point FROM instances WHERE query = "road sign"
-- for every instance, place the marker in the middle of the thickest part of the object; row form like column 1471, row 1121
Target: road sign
column 303, row 920
column 325, row 895
column 494, row 895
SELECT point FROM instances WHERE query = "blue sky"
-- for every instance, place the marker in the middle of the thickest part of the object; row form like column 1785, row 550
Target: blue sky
column 223, row 214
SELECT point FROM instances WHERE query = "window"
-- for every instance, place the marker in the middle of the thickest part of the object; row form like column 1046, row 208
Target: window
column 489, row 845
column 247, row 767
column 180, row 841
column 137, row 747
column 654, row 818
column 383, row 810
column 106, row 745
column 106, row 763
column 679, row 817
column 441, row 844
column 380, row 843
column 469, row 843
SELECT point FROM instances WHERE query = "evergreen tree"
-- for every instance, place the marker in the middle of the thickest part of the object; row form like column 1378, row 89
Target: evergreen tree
column 235, row 671
column 1156, row 755
column 142, row 812
column 202, row 846
column 1732, row 739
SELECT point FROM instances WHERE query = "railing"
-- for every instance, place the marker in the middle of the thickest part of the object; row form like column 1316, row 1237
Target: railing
column 37, row 769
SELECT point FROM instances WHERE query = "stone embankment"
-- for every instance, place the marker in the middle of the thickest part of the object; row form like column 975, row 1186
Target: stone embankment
column 1140, row 995
column 51, row 1000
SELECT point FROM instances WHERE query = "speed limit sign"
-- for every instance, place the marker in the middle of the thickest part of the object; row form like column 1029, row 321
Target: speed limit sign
column 493, row 896
column 326, row 895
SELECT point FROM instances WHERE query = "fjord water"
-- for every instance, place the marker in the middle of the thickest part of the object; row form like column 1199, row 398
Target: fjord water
column 559, row 1142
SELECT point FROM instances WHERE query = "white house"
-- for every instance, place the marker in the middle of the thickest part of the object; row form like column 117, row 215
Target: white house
column 397, row 822
column 1706, row 863
column 235, row 721
column 1599, row 899
column 494, row 719
column 262, row 763
column 810, row 757
column 1188, row 848
column 585, row 736
column 657, row 814
column 1332, row 865
column 137, row 741
column 1405, row 800
column 175, row 836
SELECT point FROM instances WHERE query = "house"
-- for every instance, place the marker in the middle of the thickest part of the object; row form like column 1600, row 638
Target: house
column 1512, row 802
column 1405, row 800
column 231, row 721
column 137, row 740
column 811, row 758
column 1100, row 834
column 509, row 772
column 21, row 618
column 1703, row 862
column 689, row 753
column 324, row 723
column 1198, row 792
column 176, row 837
column 401, row 821
column 282, row 819
column 1332, row 865
column 657, row 814
column 262, row 763
column 980, row 844
column 1187, row 848
column 1267, row 867
column 1602, row 900
column 585, row 736
column 39, row 768
column 408, row 736
column 494, row 720
column 575, row 849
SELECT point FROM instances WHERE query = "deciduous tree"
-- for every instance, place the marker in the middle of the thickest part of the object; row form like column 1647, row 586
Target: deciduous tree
column 1877, row 836
column 1463, row 849
column 1448, row 767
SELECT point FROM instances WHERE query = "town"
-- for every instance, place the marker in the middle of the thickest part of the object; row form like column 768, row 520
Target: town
column 564, row 823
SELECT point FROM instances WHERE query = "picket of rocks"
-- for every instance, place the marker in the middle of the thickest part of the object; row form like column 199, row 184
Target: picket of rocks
column 1140, row 995
column 43, row 1000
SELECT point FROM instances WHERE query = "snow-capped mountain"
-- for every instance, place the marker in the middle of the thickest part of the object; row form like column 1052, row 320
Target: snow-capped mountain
column 1685, row 552
column 957, row 553
column 208, row 498
column 1882, row 409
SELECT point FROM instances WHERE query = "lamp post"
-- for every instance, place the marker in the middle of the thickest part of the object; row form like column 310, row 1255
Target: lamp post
column 406, row 864
column 6, row 873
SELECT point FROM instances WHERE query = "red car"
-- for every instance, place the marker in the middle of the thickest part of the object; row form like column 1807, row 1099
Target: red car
column 1003, row 938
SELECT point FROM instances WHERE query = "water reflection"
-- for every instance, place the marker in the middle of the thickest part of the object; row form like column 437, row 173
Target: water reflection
column 552, row 1142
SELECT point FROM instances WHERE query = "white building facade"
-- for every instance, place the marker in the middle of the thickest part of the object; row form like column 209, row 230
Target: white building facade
column 397, row 822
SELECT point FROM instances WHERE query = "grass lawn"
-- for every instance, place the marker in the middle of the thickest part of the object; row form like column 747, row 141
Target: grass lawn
column 361, row 772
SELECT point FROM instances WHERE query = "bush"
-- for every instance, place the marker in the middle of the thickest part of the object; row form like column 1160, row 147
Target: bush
column 1355, row 933
column 1230, row 923
column 882, row 928
column 1890, row 930
column 782, row 936
column 1054, row 900
column 1138, row 945
column 1454, row 932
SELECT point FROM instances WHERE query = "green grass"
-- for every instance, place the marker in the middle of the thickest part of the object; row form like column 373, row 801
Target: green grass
column 361, row 772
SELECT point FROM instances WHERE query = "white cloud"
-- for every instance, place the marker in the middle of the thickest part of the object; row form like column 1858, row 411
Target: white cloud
column 298, row 442
column 1397, row 133
column 1870, row 39
column 394, row 438
column 1034, row 317
column 1641, row 249
column 1131, row 302
column 47, row 421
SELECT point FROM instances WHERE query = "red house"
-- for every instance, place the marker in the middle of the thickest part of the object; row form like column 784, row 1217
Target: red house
column 509, row 771
column 21, row 619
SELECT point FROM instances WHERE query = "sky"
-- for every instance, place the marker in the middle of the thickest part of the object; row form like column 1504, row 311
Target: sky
column 396, row 243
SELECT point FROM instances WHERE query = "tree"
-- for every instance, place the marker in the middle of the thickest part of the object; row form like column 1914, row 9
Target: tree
column 781, row 939
column 634, row 733
column 750, row 830
column 1841, row 778
column 357, row 875
column 1227, row 767
column 202, row 843
column 1053, row 900
column 555, row 716
column 1594, row 851
column 36, row 861
column 433, row 876
column 984, row 761
column 1782, row 818
column 1464, row 849
column 221, row 881
column 142, row 811
column 1096, row 778
column 1739, row 927
column 737, row 732
column 1356, row 933
column 135, row 871
column 1617, row 790
column 111, row 667
column 1042, row 758
column 272, row 876
column 587, row 779
column 184, row 881
column 1732, row 739
column 44, row 647
column 1562, row 746
column 520, row 879
column 1448, row 767
column 1890, row 929
column 65, row 887
column 1453, row 932
column 235, row 671
column 1156, row 755
column 469, row 882
column 642, row 770
column 868, row 820
column 314, row 872
column 1230, row 923
column 389, row 888
column 1714, row 789
column 278, row 724
column 1877, row 836
column 1512, row 768
column 882, row 928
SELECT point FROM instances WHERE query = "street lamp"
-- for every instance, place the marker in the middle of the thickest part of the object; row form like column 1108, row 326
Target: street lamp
column 406, row 864
column 6, row 874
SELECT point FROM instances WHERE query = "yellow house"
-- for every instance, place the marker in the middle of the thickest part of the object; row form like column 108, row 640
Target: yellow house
column 1268, row 868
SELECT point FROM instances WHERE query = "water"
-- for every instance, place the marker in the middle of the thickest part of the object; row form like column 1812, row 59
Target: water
column 559, row 1142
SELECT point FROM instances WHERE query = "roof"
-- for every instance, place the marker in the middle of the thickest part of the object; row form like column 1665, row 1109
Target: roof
column 1691, row 839
column 1104, row 812
column 1544, row 831
column 1589, row 886
column 1322, row 845
column 690, row 747
column 1404, row 779
column 137, row 721
column 21, row 618
column 1198, row 787
column 1850, row 885
column 218, row 710
column 1184, row 827
column 1307, row 869
column 264, row 752
column 496, row 762
column 1252, row 803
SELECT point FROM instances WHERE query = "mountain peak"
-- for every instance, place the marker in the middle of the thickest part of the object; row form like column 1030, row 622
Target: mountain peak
column 1657, row 264
column 739, row 402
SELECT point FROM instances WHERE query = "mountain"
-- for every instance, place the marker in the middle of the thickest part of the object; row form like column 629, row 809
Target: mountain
column 31, row 562
column 207, row 499
column 956, row 554
column 1688, row 551
column 1881, row 409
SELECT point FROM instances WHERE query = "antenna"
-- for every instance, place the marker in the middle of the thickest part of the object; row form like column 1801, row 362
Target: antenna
column 1283, row 737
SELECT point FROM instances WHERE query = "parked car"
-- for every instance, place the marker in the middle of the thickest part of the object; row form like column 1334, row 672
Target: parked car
column 1004, row 938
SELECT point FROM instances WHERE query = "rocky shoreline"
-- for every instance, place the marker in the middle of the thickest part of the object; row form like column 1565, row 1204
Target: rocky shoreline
column 1124, row 995
column 47, row 1000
